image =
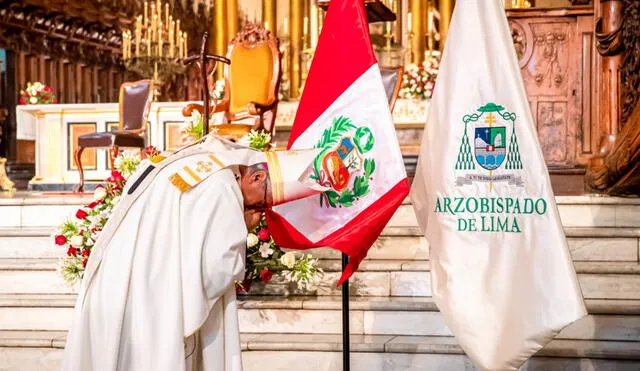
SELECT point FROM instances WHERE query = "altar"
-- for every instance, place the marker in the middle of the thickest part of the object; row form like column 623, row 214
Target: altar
column 55, row 128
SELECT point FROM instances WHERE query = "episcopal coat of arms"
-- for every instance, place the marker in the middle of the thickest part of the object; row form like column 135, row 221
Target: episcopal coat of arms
column 495, row 145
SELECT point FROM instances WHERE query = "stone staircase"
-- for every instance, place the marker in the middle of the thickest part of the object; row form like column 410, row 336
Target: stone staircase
column 394, row 323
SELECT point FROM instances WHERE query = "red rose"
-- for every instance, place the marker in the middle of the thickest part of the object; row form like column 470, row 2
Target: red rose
column 37, row 93
column 60, row 240
column 266, row 275
column 55, row 101
column 151, row 151
column 93, row 205
column 116, row 176
column 22, row 101
column 26, row 94
column 85, row 252
column 84, row 263
column 72, row 251
column 46, row 97
column 264, row 235
column 81, row 214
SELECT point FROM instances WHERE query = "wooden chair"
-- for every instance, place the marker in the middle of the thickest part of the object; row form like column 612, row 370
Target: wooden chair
column 135, row 101
column 392, row 81
column 251, row 84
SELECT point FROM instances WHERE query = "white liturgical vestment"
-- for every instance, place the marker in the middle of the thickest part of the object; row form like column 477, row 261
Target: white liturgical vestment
column 158, row 293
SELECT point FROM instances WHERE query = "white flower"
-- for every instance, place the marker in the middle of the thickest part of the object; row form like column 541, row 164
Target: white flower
column 33, row 100
column 265, row 250
column 252, row 240
column 288, row 259
column 76, row 241
column 99, row 194
column 116, row 200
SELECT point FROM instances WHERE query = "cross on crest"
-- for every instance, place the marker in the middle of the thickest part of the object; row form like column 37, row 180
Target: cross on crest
column 204, row 167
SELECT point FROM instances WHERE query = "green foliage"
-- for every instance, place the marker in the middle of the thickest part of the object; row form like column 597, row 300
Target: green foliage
column 360, row 186
column 364, row 139
column 369, row 167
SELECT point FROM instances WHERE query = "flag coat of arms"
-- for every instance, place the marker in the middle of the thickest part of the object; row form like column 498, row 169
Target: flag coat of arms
column 501, row 273
column 344, row 112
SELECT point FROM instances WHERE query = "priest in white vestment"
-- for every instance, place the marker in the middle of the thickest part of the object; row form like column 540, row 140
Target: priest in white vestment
column 158, row 292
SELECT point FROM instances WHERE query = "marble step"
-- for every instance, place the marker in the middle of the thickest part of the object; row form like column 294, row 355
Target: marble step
column 420, row 316
column 42, row 210
column 395, row 243
column 43, row 350
column 598, row 280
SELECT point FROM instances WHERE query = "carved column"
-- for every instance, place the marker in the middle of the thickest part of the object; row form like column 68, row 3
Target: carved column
column 296, row 17
column 418, row 10
column 609, row 45
column 269, row 15
column 446, row 11
column 219, row 31
column 232, row 20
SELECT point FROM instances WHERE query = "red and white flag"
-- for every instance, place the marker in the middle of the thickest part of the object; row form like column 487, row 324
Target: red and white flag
column 344, row 111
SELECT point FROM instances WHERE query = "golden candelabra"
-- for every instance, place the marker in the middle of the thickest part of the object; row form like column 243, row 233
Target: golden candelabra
column 155, row 48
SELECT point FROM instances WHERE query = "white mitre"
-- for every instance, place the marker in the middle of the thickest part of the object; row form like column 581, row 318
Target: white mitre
column 289, row 173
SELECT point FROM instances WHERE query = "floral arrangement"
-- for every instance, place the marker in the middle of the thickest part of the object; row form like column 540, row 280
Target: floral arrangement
column 418, row 81
column 78, row 234
column 260, row 140
column 264, row 258
column 192, row 127
column 37, row 93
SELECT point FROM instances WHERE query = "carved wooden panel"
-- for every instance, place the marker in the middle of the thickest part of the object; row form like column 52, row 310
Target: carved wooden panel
column 556, row 61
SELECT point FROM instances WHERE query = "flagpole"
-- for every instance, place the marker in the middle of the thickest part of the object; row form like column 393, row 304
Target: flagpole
column 345, row 318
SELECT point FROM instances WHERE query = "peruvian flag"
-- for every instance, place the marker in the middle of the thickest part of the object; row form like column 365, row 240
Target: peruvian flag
column 345, row 112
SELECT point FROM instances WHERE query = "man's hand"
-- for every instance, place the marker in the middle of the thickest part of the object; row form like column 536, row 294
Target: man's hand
column 252, row 218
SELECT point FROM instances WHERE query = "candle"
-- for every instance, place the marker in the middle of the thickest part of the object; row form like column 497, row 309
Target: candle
column 160, row 47
column 171, row 28
column 178, row 34
column 124, row 45
column 180, row 46
column 128, row 44
column 305, row 26
column 266, row 25
column 286, row 26
column 146, row 14
column 166, row 14
column 154, row 26
column 155, row 71
column 409, row 22
column 186, row 46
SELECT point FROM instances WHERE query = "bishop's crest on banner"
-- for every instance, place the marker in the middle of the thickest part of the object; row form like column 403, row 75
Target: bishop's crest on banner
column 501, row 273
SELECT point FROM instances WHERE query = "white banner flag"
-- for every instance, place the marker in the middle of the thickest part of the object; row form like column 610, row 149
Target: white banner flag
column 501, row 271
